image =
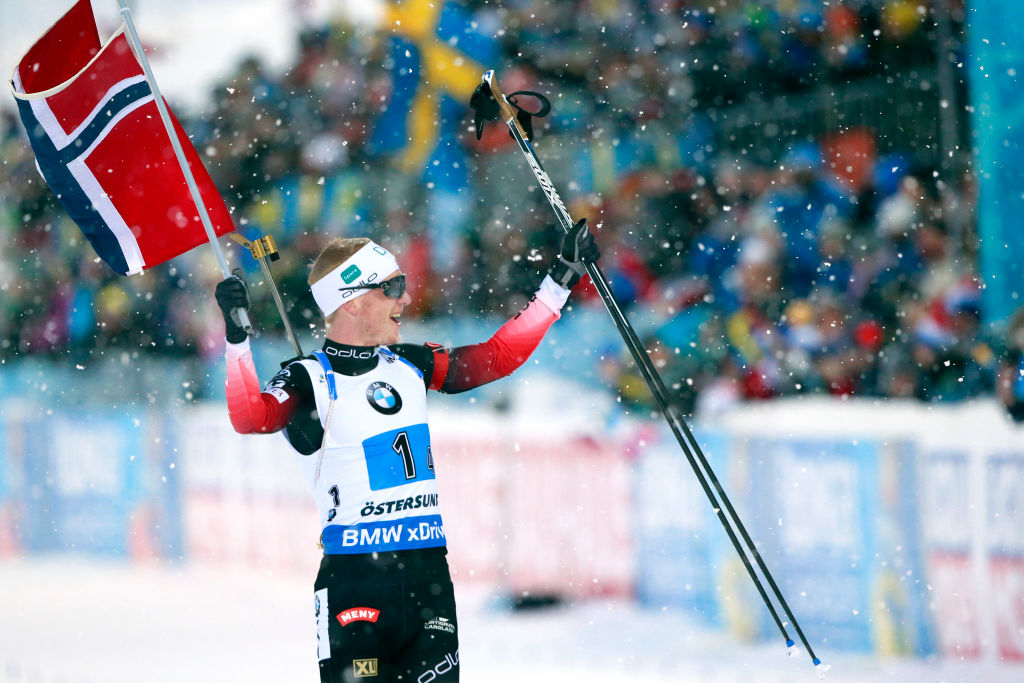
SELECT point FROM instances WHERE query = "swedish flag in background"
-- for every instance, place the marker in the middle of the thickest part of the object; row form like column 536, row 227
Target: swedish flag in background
column 438, row 57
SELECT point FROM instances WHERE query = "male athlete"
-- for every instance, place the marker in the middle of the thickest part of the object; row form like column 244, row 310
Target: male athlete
column 355, row 413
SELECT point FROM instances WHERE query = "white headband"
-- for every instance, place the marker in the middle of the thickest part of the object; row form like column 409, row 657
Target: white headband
column 372, row 263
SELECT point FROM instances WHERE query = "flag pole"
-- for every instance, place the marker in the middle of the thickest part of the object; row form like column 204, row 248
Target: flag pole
column 190, row 180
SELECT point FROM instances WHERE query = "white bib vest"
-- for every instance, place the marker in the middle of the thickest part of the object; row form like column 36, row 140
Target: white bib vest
column 376, row 489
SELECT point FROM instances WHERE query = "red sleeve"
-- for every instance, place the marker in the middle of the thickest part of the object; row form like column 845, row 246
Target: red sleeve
column 499, row 356
column 251, row 410
column 442, row 361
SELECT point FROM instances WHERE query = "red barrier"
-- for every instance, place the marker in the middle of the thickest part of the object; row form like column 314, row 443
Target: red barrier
column 546, row 515
column 1007, row 580
column 956, row 605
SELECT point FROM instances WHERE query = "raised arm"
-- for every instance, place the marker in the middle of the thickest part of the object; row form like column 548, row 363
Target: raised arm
column 251, row 410
column 467, row 367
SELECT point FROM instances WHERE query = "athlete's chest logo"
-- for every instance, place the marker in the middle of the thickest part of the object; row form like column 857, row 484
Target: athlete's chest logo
column 383, row 398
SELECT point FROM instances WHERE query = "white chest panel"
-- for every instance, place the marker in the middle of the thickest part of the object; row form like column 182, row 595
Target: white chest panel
column 376, row 489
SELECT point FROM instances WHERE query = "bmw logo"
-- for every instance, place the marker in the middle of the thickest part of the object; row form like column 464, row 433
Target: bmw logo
column 383, row 398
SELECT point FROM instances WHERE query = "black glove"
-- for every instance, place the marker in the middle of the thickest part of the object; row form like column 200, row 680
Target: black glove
column 578, row 249
column 232, row 294
column 485, row 107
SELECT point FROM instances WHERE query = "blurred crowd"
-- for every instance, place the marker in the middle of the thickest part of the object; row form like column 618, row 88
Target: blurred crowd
column 758, row 280
column 666, row 54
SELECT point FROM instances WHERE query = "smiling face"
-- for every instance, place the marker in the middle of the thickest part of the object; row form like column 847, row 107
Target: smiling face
column 371, row 319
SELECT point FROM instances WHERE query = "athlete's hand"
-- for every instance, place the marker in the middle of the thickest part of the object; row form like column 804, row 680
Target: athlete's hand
column 232, row 295
column 578, row 249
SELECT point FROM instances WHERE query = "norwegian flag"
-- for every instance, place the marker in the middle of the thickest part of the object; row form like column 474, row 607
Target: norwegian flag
column 102, row 148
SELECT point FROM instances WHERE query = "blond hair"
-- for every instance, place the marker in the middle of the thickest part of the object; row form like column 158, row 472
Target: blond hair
column 336, row 252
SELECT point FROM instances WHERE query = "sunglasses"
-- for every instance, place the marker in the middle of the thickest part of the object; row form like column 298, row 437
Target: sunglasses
column 392, row 289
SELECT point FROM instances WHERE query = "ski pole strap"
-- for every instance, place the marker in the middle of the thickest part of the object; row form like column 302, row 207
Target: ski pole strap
column 485, row 108
column 326, row 365
column 525, row 117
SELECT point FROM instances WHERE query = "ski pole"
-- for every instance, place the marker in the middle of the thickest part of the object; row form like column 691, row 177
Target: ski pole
column 264, row 250
column 671, row 412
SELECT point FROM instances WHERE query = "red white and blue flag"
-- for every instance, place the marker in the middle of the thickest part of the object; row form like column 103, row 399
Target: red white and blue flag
column 102, row 148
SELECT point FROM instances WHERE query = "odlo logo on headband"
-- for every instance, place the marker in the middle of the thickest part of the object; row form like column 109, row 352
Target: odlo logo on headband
column 349, row 275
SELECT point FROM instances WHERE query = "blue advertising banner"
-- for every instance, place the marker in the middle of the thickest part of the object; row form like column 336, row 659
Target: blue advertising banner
column 902, row 620
column 677, row 529
column 1004, row 488
column 5, row 476
column 162, row 489
column 104, row 483
column 815, row 509
column 8, row 515
column 995, row 41
column 84, row 475
column 946, row 502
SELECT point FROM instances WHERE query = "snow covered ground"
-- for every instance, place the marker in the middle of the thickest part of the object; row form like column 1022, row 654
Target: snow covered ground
column 75, row 620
